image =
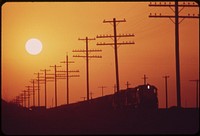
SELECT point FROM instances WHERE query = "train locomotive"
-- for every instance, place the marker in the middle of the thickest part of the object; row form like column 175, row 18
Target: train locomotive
column 140, row 97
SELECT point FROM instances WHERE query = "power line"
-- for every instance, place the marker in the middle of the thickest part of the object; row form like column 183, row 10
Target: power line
column 176, row 10
column 87, row 59
column 115, row 36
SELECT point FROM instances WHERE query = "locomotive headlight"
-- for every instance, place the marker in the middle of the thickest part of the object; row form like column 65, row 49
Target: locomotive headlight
column 148, row 87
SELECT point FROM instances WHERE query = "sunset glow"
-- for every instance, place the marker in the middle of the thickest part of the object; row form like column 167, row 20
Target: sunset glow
column 59, row 25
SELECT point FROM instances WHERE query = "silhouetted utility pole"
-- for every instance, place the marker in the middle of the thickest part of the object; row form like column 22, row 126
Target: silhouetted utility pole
column 28, row 91
column 176, row 22
column 55, row 79
column 67, row 71
column 38, row 80
column 45, row 83
column 87, row 60
column 197, row 92
column 24, row 96
column 102, row 87
column 57, row 75
column 83, row 98
column 114, row 87
column 91, row 93
column 166, row 90
column 33, row 87
column 115, row 36
column 145, row 79
column 19, row 100
column 127, row 85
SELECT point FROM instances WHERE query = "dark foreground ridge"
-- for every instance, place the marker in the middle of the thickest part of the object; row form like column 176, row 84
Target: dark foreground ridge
column 96, row 117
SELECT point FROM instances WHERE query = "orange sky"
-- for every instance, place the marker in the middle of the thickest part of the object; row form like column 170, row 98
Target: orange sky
column 59, row 25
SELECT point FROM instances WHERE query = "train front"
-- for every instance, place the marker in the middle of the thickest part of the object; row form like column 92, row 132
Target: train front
column 147, row 96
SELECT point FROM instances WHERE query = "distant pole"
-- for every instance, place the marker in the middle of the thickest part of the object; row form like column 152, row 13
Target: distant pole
column 166, row 90
column 33, row 87
column 38, row 79
column 197, row 92
column 33, row 93
column 67, row 71
column 83, row 98
column 24, row 91
column 67, row 78
column 55, row 79
column 28, row 87
column 114, row 88
column 45, row 85
column 91, row 95
column 145, row 78
column 102, row 87
column 127, row 84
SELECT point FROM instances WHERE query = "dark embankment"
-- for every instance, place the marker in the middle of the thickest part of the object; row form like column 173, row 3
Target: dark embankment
column 97, row 117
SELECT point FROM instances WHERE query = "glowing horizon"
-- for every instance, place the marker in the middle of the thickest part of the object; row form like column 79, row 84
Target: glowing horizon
column 59, row 25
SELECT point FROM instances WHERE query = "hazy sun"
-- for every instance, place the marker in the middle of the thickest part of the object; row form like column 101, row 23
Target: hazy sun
column 33, row 46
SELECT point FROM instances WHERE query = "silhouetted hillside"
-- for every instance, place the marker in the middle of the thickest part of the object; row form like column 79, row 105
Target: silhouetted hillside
column 95, row 117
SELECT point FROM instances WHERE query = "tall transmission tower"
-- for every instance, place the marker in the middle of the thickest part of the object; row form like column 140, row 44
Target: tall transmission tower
column 67, row 71
column 87, row 56
column 197, row 92
column 166, row 90
column 115, row 36
column 176, row 15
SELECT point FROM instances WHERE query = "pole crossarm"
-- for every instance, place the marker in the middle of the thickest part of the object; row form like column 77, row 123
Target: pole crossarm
column 67, row 62
column 121, row 43
column 171, row 16
column 86, row 38
column 85, row 50
column 112, row 36
column 172, row 4
column 83, row 56
column 106, row 21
